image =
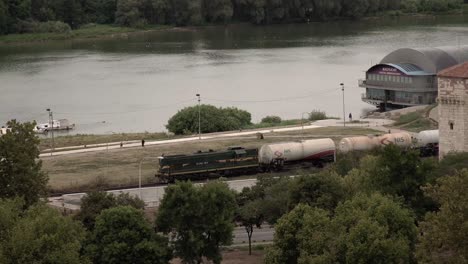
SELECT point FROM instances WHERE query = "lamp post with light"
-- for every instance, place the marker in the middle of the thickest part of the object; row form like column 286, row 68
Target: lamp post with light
column 344, row 112
column 51, row 123
column 199, row 117
column 302, row 124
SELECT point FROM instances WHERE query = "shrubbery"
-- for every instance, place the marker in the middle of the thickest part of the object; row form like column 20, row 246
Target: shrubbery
column 43, row 27
column 271, row 120
column 317, row 115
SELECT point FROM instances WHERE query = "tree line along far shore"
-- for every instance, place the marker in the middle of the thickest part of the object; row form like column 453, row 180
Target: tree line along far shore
column 62, row 16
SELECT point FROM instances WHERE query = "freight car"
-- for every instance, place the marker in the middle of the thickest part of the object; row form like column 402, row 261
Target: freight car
column 237, row 160
column 427, row 142
column 315, row 151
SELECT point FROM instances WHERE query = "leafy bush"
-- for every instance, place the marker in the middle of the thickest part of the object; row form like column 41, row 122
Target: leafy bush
column 213, row 119
column 317, row 115
column 271, row 119
column 43, row 27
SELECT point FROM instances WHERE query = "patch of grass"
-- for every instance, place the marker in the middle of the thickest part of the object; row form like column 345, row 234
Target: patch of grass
column 419, row 125
column 407, row 118
column 416, row 121
column 84, row 139
column 290, row 122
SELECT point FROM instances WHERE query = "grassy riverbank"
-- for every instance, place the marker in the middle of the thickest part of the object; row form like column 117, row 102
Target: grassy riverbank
column 107, row 30
column 416, row 121
column 119, row 167
column 92, row 31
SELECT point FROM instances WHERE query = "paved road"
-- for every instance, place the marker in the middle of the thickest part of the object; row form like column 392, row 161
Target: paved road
column 150, row 195
column 264, row 234
column 132, row 144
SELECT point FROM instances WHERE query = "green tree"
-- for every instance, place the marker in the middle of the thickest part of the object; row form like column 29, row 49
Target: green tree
column 443, row 233
column 218, row 10
column 128, row 13
column 42, row 235
column 365, row 229
column 323, row 190
column 95, row 202
column 355, row 8
column 396, row 172
column 106, row 11
column 213, row 119
column 10, row 213
column 275, row 202
column 373, row 229
column 20, row 167
column 290, row 235
column 249, row 213
column 3, row 17
column 122, row 235
column 199, row 219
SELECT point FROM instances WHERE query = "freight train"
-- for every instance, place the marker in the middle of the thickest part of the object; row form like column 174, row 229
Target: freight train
column 275, row 156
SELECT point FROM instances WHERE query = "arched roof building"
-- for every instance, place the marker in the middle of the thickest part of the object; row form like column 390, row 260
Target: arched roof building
column 408, row 76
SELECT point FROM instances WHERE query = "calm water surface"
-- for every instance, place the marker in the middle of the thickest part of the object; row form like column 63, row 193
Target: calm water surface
column 137, row 83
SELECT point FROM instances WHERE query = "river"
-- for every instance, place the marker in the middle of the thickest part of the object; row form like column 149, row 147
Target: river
column 136, row 83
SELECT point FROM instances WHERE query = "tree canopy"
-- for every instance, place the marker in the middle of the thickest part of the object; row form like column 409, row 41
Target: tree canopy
column 365, row 229
column 212, row 119
column 198, row 219
column 20, row 167
column 93, row 203
column 122, row 235
column 38, row 235
column 443, row 233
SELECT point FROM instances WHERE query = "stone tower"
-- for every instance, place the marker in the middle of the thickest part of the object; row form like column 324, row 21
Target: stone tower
column 453, row 109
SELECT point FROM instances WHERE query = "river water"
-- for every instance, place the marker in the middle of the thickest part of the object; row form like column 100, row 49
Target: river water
column 136, row 83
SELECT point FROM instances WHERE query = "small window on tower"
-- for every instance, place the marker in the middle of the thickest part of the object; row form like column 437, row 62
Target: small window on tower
column 451, row 125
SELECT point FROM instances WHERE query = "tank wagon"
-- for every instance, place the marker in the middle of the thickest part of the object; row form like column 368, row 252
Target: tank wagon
column 315, row 151
column 237, row 160
column 426, row 141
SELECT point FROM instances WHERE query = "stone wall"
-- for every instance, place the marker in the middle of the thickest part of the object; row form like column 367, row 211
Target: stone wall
column 453, row 115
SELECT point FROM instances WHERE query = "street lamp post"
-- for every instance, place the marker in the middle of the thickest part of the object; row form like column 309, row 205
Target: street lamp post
column 302, row 124
column 344, row 115
column 199, row 117
column 51, row 122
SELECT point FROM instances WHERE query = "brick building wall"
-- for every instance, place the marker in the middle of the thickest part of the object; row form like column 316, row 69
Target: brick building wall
column 453, row 114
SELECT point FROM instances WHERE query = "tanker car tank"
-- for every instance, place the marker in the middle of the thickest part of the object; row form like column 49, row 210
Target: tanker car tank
column 402, row 139
column 316, row 151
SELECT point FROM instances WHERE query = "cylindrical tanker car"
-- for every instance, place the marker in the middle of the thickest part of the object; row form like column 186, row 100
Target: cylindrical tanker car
column 315, row 151
column 428, row 142
column 402, row 139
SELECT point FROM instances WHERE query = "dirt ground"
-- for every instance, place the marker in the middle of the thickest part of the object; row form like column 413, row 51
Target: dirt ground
column 238, row 257
column 120, row 167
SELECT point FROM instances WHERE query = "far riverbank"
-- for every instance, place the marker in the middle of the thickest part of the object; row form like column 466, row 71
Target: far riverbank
column 101, row 31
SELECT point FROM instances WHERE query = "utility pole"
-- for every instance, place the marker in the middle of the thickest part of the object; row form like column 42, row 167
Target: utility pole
column 344, row 112
column 199, row 117
column 51, row 122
